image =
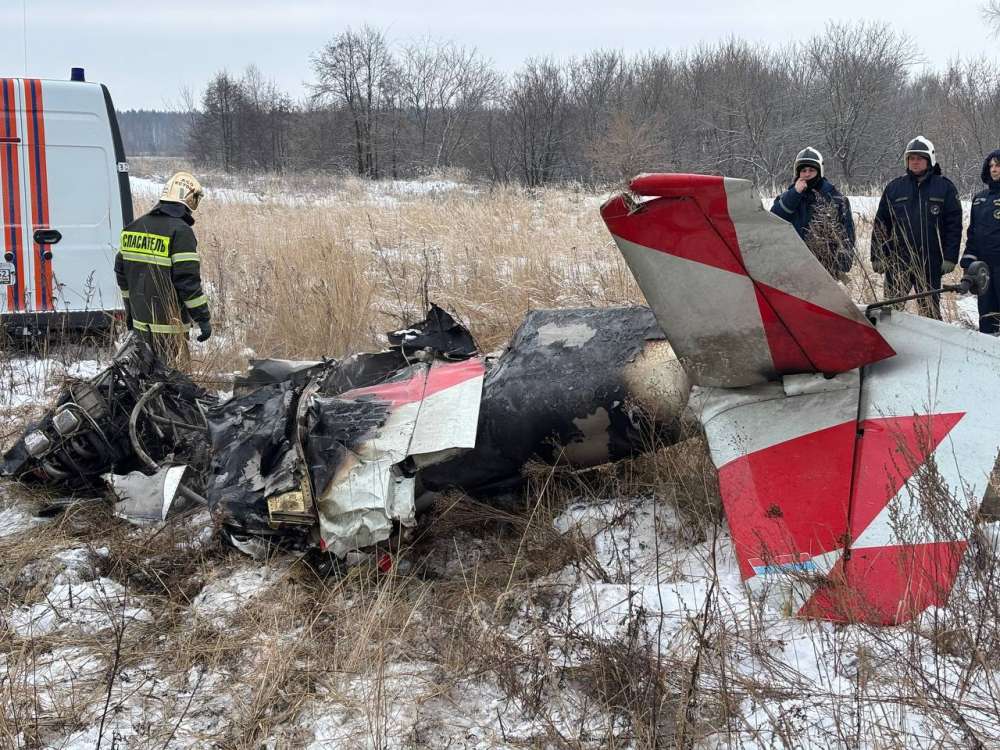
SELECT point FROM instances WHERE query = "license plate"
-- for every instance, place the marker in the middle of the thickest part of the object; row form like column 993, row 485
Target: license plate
column 6, row 277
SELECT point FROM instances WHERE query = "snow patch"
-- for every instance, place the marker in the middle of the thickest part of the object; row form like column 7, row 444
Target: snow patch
column 88, row 607
column 225, row 596
column 14, row 520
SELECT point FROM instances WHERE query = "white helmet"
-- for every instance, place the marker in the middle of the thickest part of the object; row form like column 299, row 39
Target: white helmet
column 921, row 147
column 809, row 157
column 184, row 188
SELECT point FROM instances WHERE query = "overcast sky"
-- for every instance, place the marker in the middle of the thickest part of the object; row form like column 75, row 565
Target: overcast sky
column 146, row 56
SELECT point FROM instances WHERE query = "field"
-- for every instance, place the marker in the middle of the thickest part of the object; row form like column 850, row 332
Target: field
column 604, row 611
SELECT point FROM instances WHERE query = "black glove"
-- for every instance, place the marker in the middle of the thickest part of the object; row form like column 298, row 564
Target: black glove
column 206, row 330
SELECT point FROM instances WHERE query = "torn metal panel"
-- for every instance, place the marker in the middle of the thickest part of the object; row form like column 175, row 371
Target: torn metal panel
column 144, row 499
column 254, row 458
column 328, row 454
column 429, row 409
column 261, row 372
column 583, row 386
column 439, row 332
column 336, row 428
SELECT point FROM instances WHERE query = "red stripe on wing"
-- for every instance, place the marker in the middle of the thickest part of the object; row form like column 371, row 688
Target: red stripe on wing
column 691, row 226
column 791, row 497
column 831, row 342
column 887, row 585
column 442, row 375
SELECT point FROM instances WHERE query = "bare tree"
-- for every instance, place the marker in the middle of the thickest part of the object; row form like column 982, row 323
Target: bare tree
column 357, row 70
column 539, row 107
column 861, row 71
column 243, row 123
column 440, row 86
column 991, row 14
column 213, row 139
column 972, row 91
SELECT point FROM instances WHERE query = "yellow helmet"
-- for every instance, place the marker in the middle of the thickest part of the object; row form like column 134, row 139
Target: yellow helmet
column 184, row 188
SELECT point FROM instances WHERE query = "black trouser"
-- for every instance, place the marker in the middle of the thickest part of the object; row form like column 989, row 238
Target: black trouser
column 170, row 348
column 989, row 303
column 901, row 277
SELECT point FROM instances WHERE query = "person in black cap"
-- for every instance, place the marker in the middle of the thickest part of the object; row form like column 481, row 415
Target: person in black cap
column 983, row 240
column 918, row 228
column 819, row 212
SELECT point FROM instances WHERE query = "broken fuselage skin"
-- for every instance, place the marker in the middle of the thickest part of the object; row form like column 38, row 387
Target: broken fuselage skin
column 579, row 387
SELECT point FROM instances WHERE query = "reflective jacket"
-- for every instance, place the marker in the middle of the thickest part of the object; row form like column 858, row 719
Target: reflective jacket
column 918, row 222
column 799, row 208
column 158, row 271
column 983, row 238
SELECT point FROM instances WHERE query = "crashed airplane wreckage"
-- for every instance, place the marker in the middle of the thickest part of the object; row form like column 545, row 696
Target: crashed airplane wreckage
column 853, row 446
column 340, row 454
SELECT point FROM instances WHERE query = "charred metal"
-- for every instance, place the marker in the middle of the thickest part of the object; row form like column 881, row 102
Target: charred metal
column 341, row 454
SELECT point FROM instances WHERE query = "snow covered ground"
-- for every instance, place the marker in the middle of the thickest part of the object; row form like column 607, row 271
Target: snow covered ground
column 92, row 656
column 388, row 192
column 385, row 193
column 628, row 627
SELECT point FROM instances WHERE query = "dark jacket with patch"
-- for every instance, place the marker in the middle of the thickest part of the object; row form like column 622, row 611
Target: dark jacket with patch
column 918, row 224
column 158, row 271
column 983, row 238
column 800, row 210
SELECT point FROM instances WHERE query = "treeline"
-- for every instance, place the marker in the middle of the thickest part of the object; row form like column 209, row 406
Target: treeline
column 147, row 132
column 382, row 110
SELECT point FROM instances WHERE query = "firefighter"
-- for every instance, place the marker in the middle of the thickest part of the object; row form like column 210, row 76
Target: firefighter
column 983, row 240
column 159, row 274
column 918, row 228
column 819, row 212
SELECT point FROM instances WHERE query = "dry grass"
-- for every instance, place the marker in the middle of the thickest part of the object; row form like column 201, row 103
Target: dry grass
column 310, row 280
column 478, row 592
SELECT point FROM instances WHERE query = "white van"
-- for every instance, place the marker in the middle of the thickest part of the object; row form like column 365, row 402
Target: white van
column 64, row 198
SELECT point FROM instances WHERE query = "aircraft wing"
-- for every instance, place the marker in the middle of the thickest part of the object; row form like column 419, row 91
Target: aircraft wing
column 853, row 498
column 738, row 294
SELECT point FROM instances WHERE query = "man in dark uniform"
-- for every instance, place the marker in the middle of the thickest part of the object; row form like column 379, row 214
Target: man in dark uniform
column 819, row 212
column 159, row 274
column 918, row 228
column 983, row 241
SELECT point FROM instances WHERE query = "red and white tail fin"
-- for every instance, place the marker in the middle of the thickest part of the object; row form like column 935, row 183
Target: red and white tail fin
column 738, row 294
column 850, row 497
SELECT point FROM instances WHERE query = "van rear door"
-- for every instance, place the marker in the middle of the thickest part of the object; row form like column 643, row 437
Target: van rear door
column 14, row 263
column 74, row 201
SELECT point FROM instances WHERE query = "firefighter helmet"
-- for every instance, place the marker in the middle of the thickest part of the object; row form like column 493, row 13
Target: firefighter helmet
column 809, row 157
column 184, row 188
column 921, row 147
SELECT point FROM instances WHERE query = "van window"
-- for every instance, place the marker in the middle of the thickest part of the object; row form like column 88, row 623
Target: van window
column 79, row 187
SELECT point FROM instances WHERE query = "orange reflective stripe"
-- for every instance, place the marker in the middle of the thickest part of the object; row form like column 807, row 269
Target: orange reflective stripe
column 10, row 189
column 38, row 179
